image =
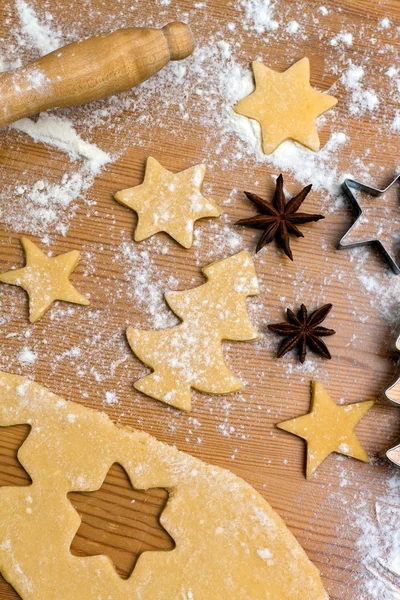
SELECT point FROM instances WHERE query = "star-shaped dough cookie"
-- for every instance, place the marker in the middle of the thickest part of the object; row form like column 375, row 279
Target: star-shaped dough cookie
column 45, row 279
column 169, row 202
column 328, row 428
column 285, row 105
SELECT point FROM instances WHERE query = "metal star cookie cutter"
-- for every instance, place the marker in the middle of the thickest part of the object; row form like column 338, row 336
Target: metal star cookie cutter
column 393, row 454
column 350, row 184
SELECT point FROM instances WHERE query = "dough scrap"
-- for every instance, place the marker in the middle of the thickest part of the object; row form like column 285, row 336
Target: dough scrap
column 45, row 279
column 285, row 105
column 328, row 428
column 168, row 202
column 190, row 355
column 230, row 544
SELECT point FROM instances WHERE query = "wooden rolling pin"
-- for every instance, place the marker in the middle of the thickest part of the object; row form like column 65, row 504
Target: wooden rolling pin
column 91, row 70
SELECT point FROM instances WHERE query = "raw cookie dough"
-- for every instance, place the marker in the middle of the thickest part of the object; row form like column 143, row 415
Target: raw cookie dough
column 190, row 354
column 328, row 428
column 168, row 202
column 45, row 279
column 230, row 544
column 285, row 105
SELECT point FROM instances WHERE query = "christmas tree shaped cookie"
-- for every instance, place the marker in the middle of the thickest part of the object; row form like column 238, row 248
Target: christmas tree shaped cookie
column 229, row 543
column 285, row 105
column 168, row 202
column 190, row 355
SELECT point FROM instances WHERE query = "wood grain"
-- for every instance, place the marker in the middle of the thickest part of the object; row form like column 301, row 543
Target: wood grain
column 124, row 534
column 238, row 431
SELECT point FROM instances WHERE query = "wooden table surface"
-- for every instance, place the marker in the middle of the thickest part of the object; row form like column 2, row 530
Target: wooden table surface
column 237, row 431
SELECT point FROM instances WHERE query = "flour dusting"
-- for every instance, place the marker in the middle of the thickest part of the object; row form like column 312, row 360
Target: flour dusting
column 44, row 37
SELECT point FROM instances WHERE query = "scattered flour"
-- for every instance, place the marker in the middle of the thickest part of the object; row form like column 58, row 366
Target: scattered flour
column 293, row 27
column 110, row 398
column 144, row 285
column 44, row 205
column 382, row 286
column 60, row 133
column 27, row 356
column 395, row 126
column 362, row 100
column 345, row 38
column 6, row 63
column 379, row 543
column 258, row 15
column 42, row 36
column 385, row 23
column 392, row 71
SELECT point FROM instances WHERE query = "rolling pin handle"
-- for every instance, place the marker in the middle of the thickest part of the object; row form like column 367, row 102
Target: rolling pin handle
column 180, row 40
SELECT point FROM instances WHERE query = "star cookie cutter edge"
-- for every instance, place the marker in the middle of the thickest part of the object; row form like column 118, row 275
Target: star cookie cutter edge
column 384, row 395
column 347, row 186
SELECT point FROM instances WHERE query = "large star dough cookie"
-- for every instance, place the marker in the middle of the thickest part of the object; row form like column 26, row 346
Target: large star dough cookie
column 230, row 544
column 285, row 105
column 328, row 428
column 45, row 279
column 168, row 202
column 190, row 355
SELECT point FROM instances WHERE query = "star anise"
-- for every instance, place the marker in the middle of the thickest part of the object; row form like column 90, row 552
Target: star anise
column 279, row 219
column 303, row 331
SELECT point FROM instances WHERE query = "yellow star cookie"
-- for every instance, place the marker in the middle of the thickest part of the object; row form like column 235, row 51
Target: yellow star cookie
column 45, row 279
column 285, row 105
column 328, row 428
column 168, row 202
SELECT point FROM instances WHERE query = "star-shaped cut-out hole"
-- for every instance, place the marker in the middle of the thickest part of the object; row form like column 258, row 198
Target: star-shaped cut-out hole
column 120, row 522
column 12, row 472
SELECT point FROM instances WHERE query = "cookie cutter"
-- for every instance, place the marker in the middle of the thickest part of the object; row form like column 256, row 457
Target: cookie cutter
column 393, row 454
column 350, row 184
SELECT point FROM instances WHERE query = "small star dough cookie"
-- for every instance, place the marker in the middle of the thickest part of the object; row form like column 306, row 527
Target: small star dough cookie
column 190, row 355
column 328, row 428
column 45, row 279
column 285, row 105
column 230, row 544
column 168, row 202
